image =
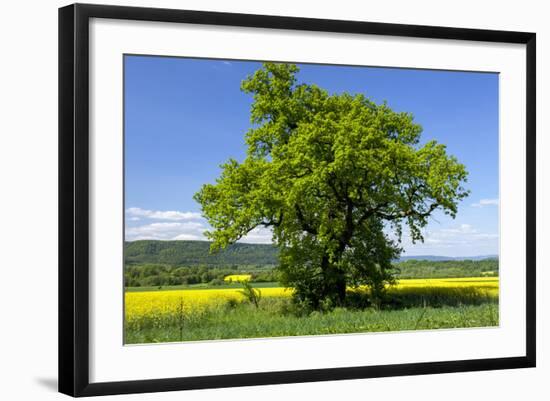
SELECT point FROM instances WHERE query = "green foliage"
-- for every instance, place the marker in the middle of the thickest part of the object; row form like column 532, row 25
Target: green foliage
column 448, row 268
column 153, row 275
column 216, row 282
column 328, row 173
column 252, row 294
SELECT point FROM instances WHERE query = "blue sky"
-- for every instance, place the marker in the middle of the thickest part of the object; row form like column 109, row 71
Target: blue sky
column 184, row 117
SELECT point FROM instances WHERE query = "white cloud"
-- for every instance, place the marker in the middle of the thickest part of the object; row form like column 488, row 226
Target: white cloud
column 460, row 240
column 189, row 237
column 226, row 62
column 486, row 202
column 463, row 239
column 179, row 226
column 463, row 234
column 462, row 229
column 167, row 231
column 259, row 235
column 172, row 215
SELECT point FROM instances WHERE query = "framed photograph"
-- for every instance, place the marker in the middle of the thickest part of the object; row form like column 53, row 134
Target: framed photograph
column 251, row 199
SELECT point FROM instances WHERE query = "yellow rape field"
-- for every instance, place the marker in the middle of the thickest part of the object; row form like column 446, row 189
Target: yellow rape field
column 158, row 308
column 237, row 278
column 194, row 303
column 491, row 284
column 168, row 302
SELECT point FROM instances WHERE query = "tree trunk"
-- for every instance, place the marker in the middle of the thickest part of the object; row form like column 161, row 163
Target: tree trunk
column 340, row 285
column 334, row 286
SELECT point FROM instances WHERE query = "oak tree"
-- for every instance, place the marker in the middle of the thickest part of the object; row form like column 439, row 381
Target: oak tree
column 335, row 177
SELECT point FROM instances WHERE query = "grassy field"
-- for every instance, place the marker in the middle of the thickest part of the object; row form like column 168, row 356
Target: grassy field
column 165, row 315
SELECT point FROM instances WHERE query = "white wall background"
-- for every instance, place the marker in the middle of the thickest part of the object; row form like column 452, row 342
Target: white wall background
column 28, row 199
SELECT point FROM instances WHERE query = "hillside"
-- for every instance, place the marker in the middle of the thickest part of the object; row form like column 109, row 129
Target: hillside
column 434, row 258
column 196, row 253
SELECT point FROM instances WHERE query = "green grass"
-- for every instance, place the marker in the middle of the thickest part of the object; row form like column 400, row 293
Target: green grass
column 275, row 318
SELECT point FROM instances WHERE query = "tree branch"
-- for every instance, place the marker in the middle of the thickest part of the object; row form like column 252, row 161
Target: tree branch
column 304, row 224
column 409, row 213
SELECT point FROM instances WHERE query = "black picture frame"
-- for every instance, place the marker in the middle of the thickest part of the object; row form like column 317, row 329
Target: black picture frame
column 74, row 199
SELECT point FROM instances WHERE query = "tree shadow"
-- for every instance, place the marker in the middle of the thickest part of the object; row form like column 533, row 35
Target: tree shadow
column 435, row 297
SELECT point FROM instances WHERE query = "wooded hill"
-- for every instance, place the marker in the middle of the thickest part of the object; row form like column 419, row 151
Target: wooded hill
column 239, row 256
column 197, row 253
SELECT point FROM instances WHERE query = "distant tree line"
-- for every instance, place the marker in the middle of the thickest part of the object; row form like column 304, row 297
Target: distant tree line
column 153, row 275
column 448, row 268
